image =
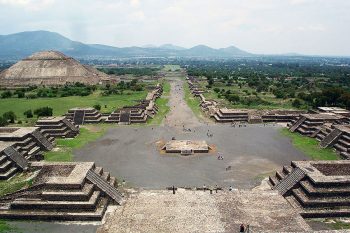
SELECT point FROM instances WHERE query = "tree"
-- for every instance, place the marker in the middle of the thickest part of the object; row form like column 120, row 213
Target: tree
column 97, row 107
column 45, row 111
column 3, row 122
column 9, row 117
column 6, row 94
column 296, row 103
column 28, row 113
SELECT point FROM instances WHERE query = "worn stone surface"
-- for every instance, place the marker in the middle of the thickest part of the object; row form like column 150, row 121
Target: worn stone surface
column 198, row 211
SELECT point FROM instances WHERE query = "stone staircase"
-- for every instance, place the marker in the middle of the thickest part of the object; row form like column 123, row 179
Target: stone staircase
column 297, row 124
column 311, row 195
column 106, row 187
column 16, row 157
column 78, row 118
column 290, row 181
column 124, row 117
column 47, row 145
column 83, row 195
column 330, row 139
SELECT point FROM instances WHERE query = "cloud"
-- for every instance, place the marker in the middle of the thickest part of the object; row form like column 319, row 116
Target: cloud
column 34, row 5
column 268, row 26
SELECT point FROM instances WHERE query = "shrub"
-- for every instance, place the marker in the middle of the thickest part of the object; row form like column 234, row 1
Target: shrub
column 28, row 113
column 3, row 122
column 296, row 103
column 6, row 94
column 97, row 107
column 45, row 111
column 9, row 117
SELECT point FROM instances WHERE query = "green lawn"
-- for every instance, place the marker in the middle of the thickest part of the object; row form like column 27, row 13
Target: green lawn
column 65, row 147
column 17, row 182
column 310, row 146
column 192, row 101
column 61, row 105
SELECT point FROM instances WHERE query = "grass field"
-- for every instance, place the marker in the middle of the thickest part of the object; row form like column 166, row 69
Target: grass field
column 271, row 101
column 162, row 104
column 171, row 67
column 65, row 147
column 14, row 184
column 310, row 146
column 192, row 101
column 61, row 105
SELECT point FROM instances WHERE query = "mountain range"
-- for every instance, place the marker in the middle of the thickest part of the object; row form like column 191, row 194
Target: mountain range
column 20, row 45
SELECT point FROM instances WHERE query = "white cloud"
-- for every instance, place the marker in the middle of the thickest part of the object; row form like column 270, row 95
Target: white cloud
column 261, row 26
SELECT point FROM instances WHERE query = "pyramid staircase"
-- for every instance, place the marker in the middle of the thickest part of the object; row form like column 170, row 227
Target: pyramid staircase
column 311, row 197
column 62, row 200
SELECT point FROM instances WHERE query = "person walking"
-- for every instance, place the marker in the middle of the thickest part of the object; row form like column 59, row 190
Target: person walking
column 242, row 228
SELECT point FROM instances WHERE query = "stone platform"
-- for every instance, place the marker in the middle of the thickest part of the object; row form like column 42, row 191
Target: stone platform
column 199, row 211
column 316, row 188
column 186, row 146
column 63, row 191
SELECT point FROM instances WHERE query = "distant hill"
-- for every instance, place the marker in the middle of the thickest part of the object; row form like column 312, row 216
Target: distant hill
column 23, row 44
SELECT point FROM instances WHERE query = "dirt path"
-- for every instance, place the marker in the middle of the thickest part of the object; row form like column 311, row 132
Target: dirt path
column 180, row 114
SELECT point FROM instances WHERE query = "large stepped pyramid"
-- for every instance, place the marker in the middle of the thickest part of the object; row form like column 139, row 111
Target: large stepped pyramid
column 322, row 188
column 57, row 127
column 63, row 191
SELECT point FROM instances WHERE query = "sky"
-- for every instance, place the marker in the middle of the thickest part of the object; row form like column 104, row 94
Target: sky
column 310, row 27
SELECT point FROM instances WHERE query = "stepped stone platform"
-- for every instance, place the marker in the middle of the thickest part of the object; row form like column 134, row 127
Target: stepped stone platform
column 186, row 147
column 230, row 115
column 335, row 110
column 310, row 124
column 63, row 191
column 11, row 161
column 80, row 116
column 138, row 113
column 317, row 189
column 336, row 136
column 29, row 141
column 57, row 127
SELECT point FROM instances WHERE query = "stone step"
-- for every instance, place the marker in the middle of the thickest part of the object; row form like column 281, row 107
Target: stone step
column 56, row 215
column 27, row 204
column 112, row 181
column 306, row 202
column 5, row 166
column 290, row 181
column 99, row 170
column 106, row 176
column 293, row 202
column 312, row 191
column 280, row 175
column 340, row 148
column 67, row 195
column 34, row 151
column 345, row 155
column 8, row 174
column 3, row 158
column 273, row 180
column 287, row 170
column 344, row 143
column 325, row 213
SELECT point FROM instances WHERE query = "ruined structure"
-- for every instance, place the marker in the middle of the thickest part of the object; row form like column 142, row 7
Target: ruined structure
column 310, row 124
column 138, row 113
column 29, row 141
column 186, row 147
column 63, row 191
column 57, row 127
column 50, row 68
column 317, row 189
column 11, row 161
column 229, row 115
column 82, row 116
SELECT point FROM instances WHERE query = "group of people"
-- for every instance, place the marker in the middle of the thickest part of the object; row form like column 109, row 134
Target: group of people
column 239, row 125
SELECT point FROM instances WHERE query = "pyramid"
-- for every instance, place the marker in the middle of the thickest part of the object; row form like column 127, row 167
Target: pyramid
column 50, row 68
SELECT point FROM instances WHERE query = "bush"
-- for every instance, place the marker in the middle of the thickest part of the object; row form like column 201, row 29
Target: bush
column 3, row 122
column 6, row 94
column 45, row 111
column 28, row 113
column 97, row 107
column 296, row 103
column 9, row 117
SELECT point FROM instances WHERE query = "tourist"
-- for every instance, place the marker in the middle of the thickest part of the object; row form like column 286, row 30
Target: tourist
column 230, row 188
column 242, row 228
column 204, row 187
